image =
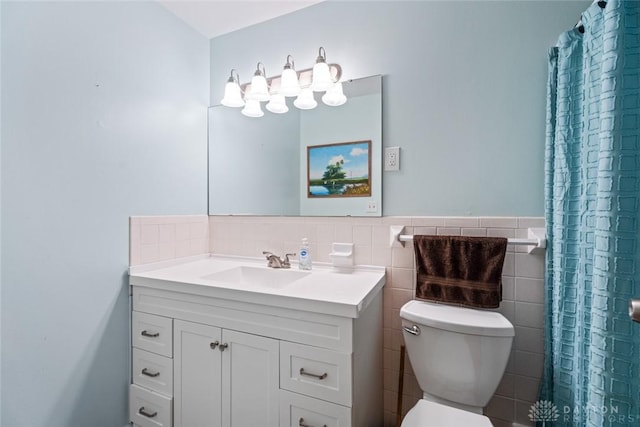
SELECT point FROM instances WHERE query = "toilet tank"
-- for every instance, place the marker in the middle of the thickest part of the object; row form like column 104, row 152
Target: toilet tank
column 459, row 354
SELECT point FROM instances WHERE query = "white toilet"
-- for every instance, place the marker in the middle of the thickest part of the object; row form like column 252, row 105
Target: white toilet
column 458, row 355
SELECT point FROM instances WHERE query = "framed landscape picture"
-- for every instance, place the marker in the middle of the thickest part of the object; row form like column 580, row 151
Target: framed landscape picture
column 339, row 170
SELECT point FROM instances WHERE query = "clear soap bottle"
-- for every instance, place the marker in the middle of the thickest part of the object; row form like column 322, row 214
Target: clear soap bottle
column 304, row 260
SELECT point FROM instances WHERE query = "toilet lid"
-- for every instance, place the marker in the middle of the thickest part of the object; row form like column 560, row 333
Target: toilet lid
column 433, row 414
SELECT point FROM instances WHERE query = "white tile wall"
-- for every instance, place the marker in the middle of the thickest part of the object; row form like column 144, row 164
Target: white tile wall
column 159, row 238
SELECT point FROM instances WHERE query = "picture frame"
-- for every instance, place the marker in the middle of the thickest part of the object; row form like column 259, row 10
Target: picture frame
column 340, row 169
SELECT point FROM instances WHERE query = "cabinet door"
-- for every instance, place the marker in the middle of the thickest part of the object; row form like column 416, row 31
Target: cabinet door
column 249, row 380
column 197, row 381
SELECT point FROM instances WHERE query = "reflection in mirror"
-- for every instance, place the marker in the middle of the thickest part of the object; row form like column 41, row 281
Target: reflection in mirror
column 258, row 166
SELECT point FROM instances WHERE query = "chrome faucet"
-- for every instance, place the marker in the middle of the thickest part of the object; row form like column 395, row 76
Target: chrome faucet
column 274, row 261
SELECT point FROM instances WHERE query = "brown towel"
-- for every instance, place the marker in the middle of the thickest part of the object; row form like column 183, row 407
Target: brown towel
column 460, row 270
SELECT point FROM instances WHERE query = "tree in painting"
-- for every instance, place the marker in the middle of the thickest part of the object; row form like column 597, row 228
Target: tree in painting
column 334, row 171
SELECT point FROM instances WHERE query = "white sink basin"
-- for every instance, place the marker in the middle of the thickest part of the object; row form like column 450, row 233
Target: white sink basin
column 274, row 278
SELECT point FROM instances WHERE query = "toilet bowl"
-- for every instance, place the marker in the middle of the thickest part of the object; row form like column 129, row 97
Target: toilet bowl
column 458, row 355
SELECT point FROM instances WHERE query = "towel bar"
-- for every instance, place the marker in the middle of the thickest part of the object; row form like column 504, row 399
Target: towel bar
column 536, row 242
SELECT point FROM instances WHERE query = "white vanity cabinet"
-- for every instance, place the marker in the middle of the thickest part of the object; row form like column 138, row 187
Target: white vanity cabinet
column 240, row 358
column 224, row 377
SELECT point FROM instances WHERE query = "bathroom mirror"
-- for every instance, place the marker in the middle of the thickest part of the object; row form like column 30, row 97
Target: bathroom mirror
column 260, row 166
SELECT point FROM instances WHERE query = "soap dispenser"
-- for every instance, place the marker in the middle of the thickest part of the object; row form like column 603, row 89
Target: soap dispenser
column 304, row 262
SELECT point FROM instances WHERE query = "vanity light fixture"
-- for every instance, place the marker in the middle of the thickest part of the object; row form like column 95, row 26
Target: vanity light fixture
column 334, row 95
column 323, row 77
column 259, row 87
column 305, row 101
column 289, row 84
column 321, row 74
column 232, row 93
column 252, row 108
column 277, row 104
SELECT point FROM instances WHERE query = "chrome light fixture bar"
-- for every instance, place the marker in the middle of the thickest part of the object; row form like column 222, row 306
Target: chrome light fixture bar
column 323, row 77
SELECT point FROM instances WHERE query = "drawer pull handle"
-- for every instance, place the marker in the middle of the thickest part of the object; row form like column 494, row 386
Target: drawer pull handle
column 214, row 344
column 148, row 334
column 302, row 424
column 142, row 411
column 223, row 346
column 149, row 373
column 309, row 374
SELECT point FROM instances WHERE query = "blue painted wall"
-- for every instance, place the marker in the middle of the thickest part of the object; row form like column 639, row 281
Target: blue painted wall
column 0, row 219
column 463, row 90
column 103, row 117
column 246, row 148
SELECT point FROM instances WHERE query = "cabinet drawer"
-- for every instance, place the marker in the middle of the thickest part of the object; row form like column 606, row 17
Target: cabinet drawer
column 316, row 372
column 149, row 409
column 299, row 411
column 152, row 371
column 152, row 333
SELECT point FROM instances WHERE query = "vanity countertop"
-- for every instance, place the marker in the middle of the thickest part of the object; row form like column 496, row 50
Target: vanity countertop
column 322, row 290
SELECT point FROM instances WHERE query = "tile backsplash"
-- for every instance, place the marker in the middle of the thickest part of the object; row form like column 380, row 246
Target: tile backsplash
column 160, row 238
column 523, row 281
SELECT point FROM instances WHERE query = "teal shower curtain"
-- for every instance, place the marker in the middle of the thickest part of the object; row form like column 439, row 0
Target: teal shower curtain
column 592, row 208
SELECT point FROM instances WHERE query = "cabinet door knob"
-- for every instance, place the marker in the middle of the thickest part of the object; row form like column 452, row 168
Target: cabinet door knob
column 214, row 344
column 148, row 334
column 223, row 346
column 301, row 423
column 144, row 412
column 149, row 373
column 309, row 374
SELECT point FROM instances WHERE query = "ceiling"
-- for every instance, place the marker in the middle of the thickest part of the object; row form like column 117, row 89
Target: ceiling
column 216, row 17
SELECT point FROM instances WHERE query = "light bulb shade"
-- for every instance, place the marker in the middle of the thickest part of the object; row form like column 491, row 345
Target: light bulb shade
column 232, row 95
column 277, row 104
column 321, row 79
column 259, row 89
column 334, row 96
column 305, row 100
column 252, row 108
column 289, row 84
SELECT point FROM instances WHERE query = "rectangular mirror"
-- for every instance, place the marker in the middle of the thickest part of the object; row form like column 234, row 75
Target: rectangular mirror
column 261, row 166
